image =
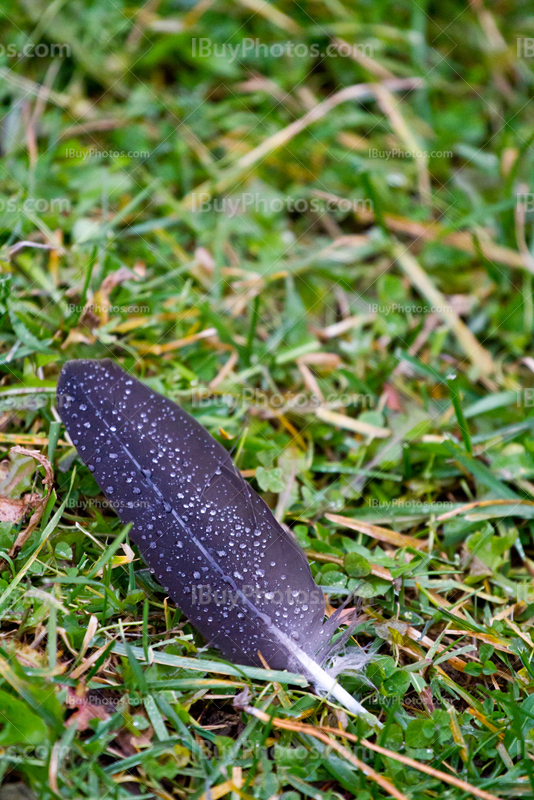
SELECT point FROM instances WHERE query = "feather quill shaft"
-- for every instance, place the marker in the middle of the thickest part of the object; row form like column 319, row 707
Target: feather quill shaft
column 209, row 539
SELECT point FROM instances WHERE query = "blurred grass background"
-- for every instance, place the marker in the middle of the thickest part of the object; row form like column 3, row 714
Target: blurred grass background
column 311, row 225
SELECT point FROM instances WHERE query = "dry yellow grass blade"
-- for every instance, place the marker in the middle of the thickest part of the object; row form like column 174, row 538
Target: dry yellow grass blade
column 225, row 370
column 53, row 768
column 457, row 735
column 27, row 438
column 484, row 720
column 357, row 54
column 522, row 634
column 324, row 733
column 297, row 435
column 85, row 665
column 478, row 355
column 426, row 642
column 382, row 534
column 134, row 322
column 310, row 380
column 168, row 347
column 350, row 424
column 439, row 601
column 433, row 231
column 339, row 328
column 272, row 14
column 390, row 107
column 454, row 661
column 216, row 792
column 92, row 627
column 359, row 91
column 322, row 360
column 482, row 504
column 487, row 638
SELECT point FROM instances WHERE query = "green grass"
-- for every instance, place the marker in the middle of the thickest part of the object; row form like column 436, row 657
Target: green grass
column 162, row 194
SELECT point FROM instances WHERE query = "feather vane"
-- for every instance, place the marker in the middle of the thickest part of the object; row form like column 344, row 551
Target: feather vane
column 207, row 536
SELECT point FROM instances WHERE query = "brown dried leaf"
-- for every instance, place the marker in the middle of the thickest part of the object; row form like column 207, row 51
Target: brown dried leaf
column 428, row 700
column 13, row 510
column 40, row 504
column 76, row 335
column 87, row 710
column 98, row 308
column 131, row 743
column 391, row 397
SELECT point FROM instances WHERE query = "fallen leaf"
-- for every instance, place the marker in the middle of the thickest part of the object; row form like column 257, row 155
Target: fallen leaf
column 40, row 504
column 87, row 708
column 392, row 398
column 96, row 312
column 12, row 510
column 77, row 336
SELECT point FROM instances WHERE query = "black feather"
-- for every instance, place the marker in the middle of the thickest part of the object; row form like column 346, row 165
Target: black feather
column 208, row 538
